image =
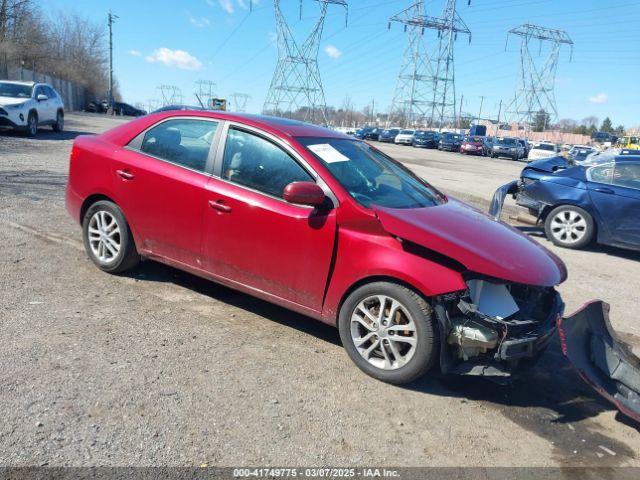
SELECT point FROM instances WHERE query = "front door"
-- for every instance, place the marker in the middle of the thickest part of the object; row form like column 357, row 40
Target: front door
column 253, row 236
column 160, row 180
column 615, row 192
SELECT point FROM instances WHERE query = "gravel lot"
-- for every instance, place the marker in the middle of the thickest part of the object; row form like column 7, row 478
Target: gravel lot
column 161, row 368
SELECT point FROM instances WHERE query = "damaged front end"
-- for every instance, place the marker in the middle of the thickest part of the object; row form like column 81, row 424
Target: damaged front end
column 493, row 326
column 605, row 363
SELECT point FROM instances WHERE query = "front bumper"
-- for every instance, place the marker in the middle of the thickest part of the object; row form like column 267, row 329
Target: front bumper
column 601, row 359
column 449, row 147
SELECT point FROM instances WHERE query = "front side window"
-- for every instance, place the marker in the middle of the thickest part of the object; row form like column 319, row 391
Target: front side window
column 185, row 142
column 601, row 173
column 627, row 175
column 369, row 176
column 257, row 163
column 13, row 90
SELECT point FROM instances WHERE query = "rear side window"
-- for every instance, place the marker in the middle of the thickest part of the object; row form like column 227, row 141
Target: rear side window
column 185, row 142
column 627, row 175
column 257, row 163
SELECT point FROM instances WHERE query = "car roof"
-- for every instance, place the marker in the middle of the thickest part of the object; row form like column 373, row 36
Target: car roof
column 275, row 125
column 16, row 82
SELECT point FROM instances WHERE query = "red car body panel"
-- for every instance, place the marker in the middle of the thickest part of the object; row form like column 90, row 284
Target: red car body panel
column 302, row 258
column 474, row 239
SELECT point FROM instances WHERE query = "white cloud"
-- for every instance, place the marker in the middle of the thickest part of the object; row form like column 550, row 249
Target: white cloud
column 199, row 22
column 599, row 98
column 333, row 51
column 135, row 53
column 227, row 5
column 175, row 58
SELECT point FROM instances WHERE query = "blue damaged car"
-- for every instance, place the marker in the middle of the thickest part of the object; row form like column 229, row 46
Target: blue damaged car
column 579, row 204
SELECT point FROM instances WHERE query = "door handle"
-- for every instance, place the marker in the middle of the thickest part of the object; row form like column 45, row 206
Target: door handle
column 221, row 207
column 604, row 190
column 125, row 174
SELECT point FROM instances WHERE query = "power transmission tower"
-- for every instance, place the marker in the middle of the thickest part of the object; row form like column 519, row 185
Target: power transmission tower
column 204, row 91
column 537, row 78
column 425, row 89
column 240, row 101
column 296, row 88
column 170, row 94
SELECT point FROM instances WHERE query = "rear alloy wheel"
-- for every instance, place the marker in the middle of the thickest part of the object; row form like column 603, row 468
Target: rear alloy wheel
column 569, row 226
column 107, row 238
column 388, row 332
column 59, row 125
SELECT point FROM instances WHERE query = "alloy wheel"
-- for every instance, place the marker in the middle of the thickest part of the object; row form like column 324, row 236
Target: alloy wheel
column 568, row 226
column 104, row 236
column 33, row 125
column 383, row 332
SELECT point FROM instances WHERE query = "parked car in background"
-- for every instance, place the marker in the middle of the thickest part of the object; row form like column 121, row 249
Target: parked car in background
column 543, row 150
column 26, row 106
column 389, row 135
column 472, row 145
column 411, row 278
column 374, row 134
column 487, row 145
column 525, row 147
column 121, row 108
column 361, row 132
column 425, row 139
column 405, row 137
column 168, row 108
column 507, row 147
column 579, row 153
column 582, row 203
column 450, row 142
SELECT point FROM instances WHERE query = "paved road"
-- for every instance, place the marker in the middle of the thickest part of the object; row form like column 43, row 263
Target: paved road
column 160, row 367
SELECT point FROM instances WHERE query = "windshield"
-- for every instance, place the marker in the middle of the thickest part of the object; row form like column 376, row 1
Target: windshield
column 473, row 139
column 14, row 90
column 424, row 134
column 452, row 136
column 407, row 132
column 546, row 146
column 369, row 176
column 507, row 141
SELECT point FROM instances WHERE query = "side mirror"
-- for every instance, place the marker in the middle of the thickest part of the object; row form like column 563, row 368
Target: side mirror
column 304, row 193
column 42, row 98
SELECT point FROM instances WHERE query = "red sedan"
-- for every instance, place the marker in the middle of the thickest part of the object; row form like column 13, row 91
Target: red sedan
column 472, row 146
column 325, row 225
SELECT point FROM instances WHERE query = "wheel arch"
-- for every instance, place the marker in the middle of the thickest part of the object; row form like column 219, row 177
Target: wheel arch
column 90, row 200
column 33, row 111
column 373, row 279
column 549, row 208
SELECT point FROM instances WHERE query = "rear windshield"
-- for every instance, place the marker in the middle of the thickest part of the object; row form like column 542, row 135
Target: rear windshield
column 371, row 177
column 546, row 146
column 14, row 90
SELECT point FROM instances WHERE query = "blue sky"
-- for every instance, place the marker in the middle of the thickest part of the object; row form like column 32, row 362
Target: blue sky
column 180, row 42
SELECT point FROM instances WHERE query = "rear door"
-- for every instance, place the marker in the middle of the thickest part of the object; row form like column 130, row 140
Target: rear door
column 615, row 191
column 160, row 179
column 252, row 235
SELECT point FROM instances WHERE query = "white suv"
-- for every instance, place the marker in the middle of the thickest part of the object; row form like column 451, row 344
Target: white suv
column 27, row 105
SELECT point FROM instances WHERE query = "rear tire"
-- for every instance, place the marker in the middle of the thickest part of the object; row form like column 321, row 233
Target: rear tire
column 107, row 238
column 569, row 226
column 397, row 347
column 59, row 125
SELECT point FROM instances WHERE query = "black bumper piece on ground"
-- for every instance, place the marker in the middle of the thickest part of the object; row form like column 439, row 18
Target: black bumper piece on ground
column 605, row 363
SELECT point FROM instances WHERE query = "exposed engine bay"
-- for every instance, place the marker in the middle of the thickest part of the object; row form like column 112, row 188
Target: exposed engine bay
column 489, row 328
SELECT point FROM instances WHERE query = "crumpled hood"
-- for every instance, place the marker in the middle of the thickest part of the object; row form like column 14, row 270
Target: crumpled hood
column 550, row 165
column 475, row 240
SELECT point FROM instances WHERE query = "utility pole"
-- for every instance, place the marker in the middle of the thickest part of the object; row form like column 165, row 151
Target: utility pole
column 499, row 112
column 459, row 113
column 111, row 19
column 480, row 112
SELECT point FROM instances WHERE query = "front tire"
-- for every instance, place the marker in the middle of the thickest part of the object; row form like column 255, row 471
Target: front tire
column 569, row 226
column 108, row 239
column 389, row 332
column 31, row 130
